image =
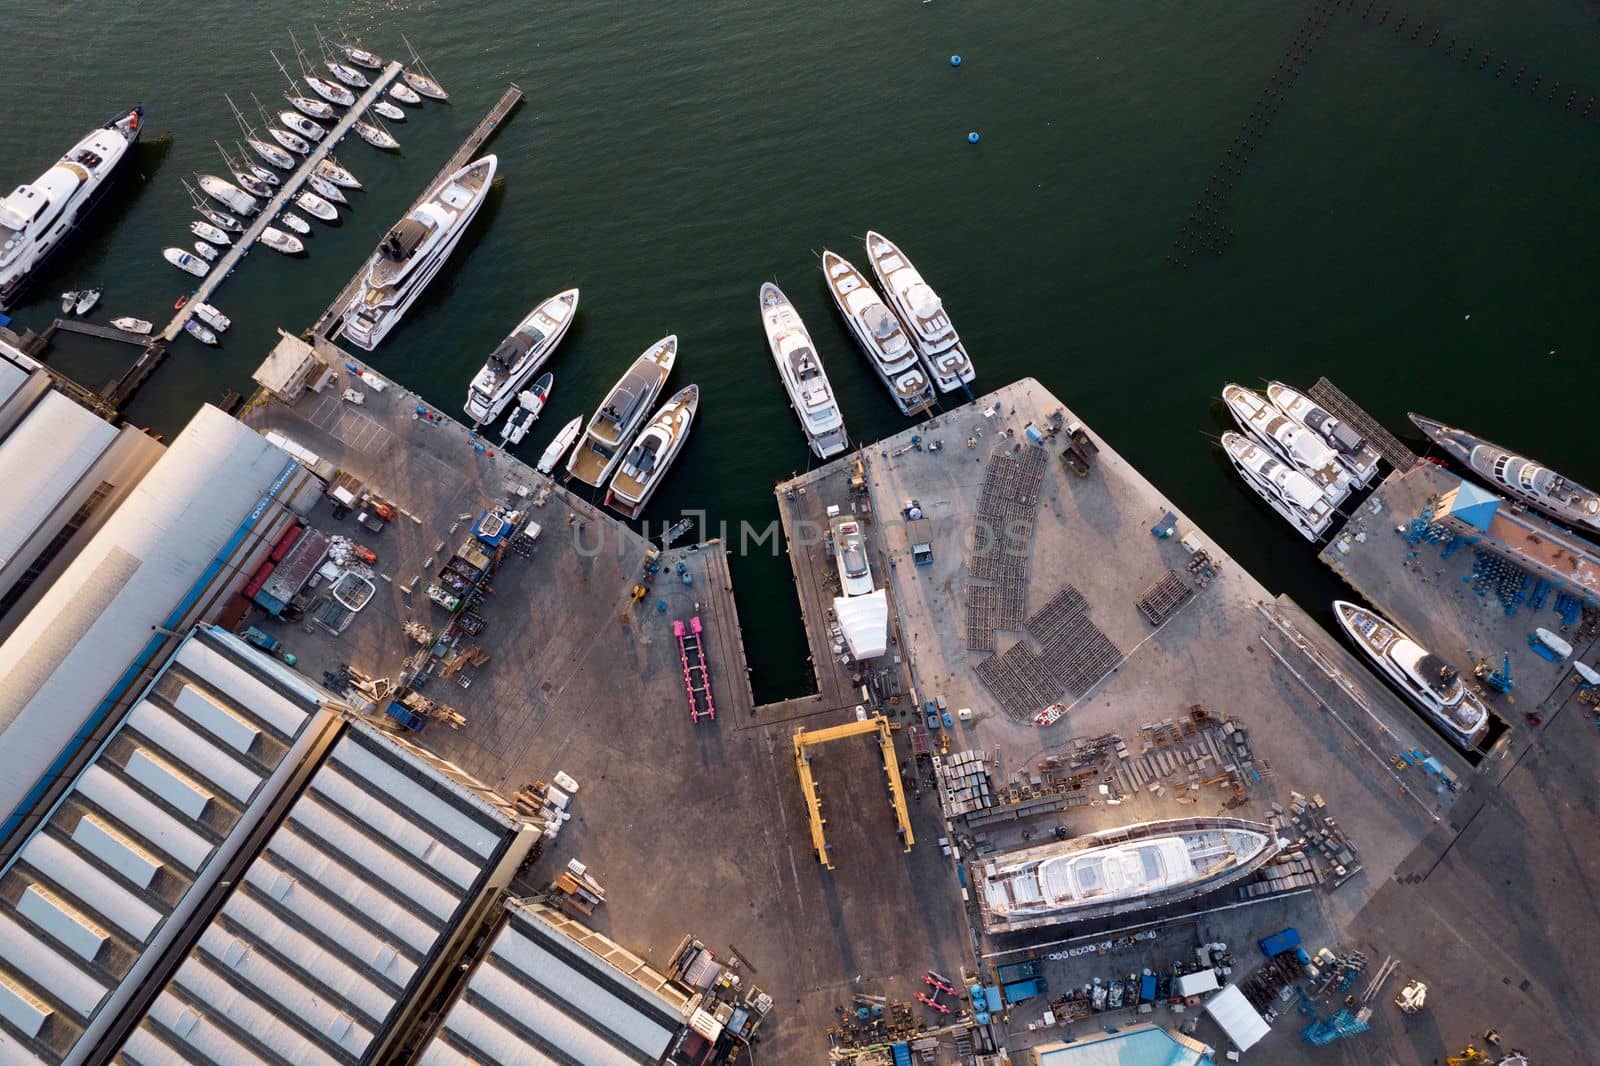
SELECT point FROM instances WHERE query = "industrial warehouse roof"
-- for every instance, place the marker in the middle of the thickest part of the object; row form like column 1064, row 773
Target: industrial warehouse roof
column 1472, row 505
column 321, row 944
column 104, row 883
column 549, row 990
column 11, row 377
column 41, row 461
column 217, row 489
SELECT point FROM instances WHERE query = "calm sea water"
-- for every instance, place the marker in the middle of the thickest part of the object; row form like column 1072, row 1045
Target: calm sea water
column 672, row 156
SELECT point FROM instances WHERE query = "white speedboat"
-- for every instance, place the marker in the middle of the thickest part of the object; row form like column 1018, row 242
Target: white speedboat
column 1357, row 456
column 271, row 153
column 348, row 75
column 1427, row 680
column 306, row 128
column 199, row 332
column 83, row 300
column 879, row 333
column 923, row 313
column 129, row 324
column 311, row 108
column 330, row 91
column 1116, row 871
column 605, row 440
column 646, row 464
column 361, row 57
column 376, row 136
column 800, row 369
column 519, row 357
column 412, row 252
column 1525, row 479
column 296, row 223
column 326, row 189
column 404, row 93
column 316, row 206
column 1289, row 440
column 1289, row 492
column 280, row 241
column 387, row 110
column 329, row 169
column 530, row 405
column 206, row 251
column 292, row 141
column 211, row 316
column 220, row 219
column 558, row 447
column 424, row 84
column 37, row 218
column 185, row 261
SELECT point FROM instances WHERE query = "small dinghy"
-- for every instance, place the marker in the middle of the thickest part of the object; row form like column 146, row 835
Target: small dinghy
column 404, row 93
column 212, row 317
column 207, row 232
column 530, row 405
column 297, row 122
column 424, row 85
column 330, row 169
column 228, row 194
column 388, row 111
column 186, row 262
column 295, row 222
column 200, row 332
column 272, row 154
column 361, row 57
column 348, row 75
column 330, row 91
column 373, row 135
column 68, row 300
column 129, row 324
column 559, row 447
column 207, row 252
column 220, row 219
column 291, row 141
column 326, row 189
column 280, row 241
column 309, row 107
column 316, row 206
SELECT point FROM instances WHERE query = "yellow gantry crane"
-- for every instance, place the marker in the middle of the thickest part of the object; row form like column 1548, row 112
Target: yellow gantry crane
column 804, row 740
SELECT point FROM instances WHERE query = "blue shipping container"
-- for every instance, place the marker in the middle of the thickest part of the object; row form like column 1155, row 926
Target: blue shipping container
column 902, row 1054
column 1021, row 990
column 1281, row 941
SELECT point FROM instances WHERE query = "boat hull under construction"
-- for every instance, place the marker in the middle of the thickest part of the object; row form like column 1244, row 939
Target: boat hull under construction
column 1118, row 871
column 1427, row 680
column 413, row 251
column 1537, row 486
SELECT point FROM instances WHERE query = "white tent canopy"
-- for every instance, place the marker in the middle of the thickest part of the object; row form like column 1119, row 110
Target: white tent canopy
column 1192, row 984
column 865, row 622
column 1237, row 1017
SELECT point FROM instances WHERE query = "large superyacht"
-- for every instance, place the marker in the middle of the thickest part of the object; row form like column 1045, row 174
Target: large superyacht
column 36, row 219
column 412, row 252
column 1289, row 492
column 1426, row 679
column 1352, row 449
column 1290, row 440
column 879, row 333
column 1535, row 485
column 920, row 308
column 605, row 440
column 651, row 456
column 519, row 357
column 810, row 393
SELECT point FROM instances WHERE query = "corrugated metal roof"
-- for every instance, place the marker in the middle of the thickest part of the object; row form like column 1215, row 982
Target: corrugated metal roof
column 337, row 921
column 133, row 839
column 200, row 501
column 41, row 461
column 11, row 377
column 549, row 990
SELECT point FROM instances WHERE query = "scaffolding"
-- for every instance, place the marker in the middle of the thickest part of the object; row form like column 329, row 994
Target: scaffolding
column 805, row 740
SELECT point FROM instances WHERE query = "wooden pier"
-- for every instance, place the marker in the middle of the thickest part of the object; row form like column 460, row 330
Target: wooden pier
column 156, row 346
column 331, row 320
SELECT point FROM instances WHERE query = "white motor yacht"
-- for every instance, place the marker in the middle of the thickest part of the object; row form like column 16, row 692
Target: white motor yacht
column 1296, row 497
column 412, row 252
column 385, row 109
column 206, row 251
column 37, row 218
column 296, row 223
column 316, row 206
column 923, row 313
column 306, row 128
column 1427, row 680
column 879, row 333
column 284, row 243
column 200, row 332
column 519, row 357
column 211, row 316
column 1525, row 479
column 605, row 441
column 646, row 464
column 1289, row 440
column 129, row 324
column 800, row 369
column 207, row 232
column 360, row 56
column 1357, row 456
column 558, row 447
column 185, row 261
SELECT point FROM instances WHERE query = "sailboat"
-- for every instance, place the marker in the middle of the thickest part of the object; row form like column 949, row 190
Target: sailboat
column 419, row 77
column 270, row 152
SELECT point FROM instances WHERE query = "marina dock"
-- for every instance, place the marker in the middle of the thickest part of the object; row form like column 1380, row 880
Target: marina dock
column 331, row 320
column 118, row 393
column 89, row 329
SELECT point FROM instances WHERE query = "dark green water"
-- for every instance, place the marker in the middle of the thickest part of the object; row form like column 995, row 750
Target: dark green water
column 672, row 156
